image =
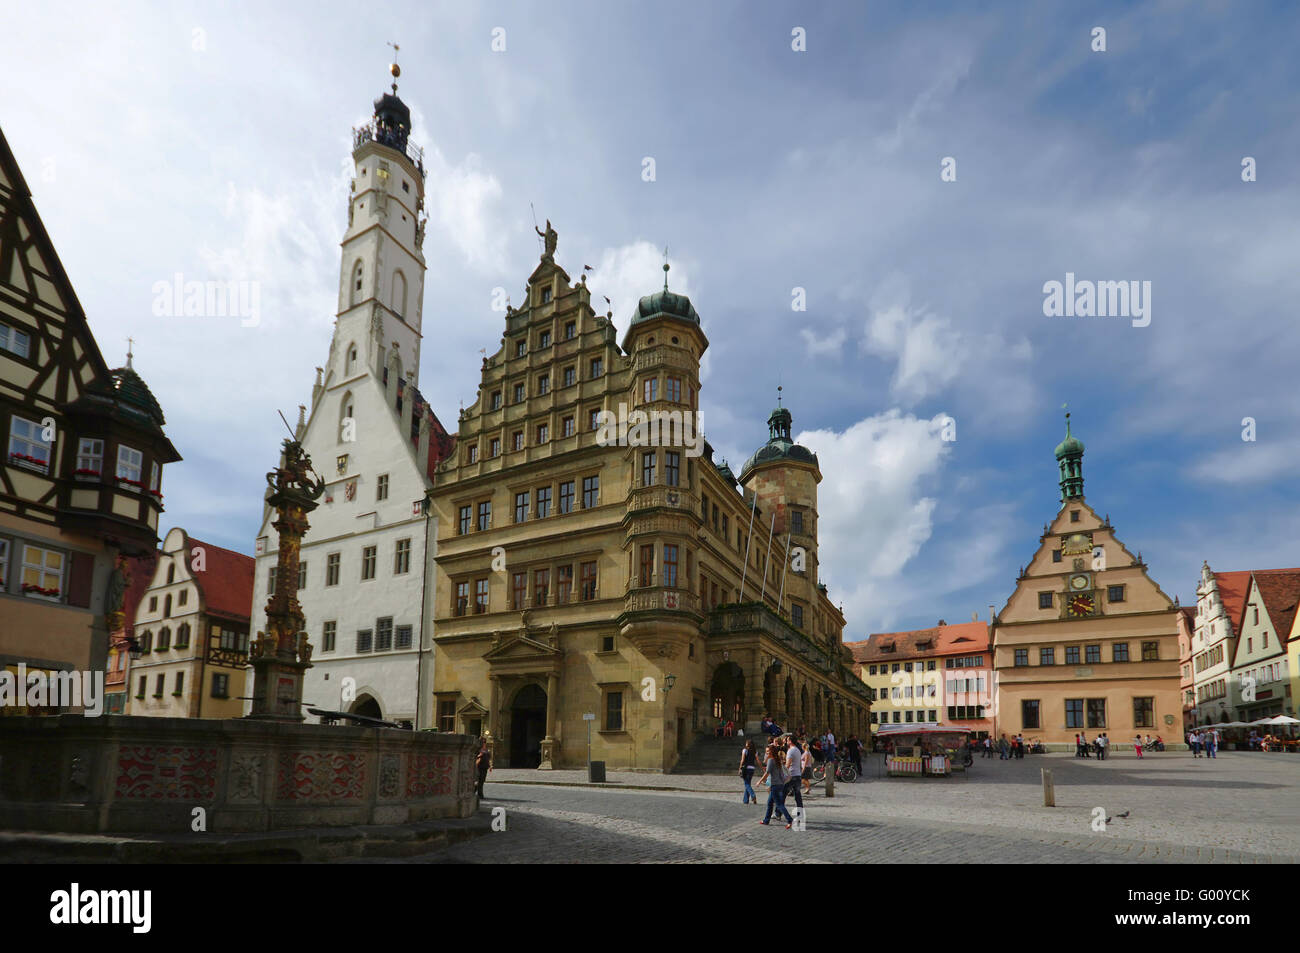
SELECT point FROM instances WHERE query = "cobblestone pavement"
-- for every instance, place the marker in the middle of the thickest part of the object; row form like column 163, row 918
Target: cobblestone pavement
column 1240, row 808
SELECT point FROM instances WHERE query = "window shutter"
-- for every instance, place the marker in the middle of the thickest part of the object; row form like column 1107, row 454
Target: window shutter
column 81, row 575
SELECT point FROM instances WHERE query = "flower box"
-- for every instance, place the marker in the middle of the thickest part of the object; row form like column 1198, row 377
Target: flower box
column 49, row 593
column 29, row 462
column 82, row 472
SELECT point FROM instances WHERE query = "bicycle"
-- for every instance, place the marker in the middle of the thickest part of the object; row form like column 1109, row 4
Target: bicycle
column 844, row 771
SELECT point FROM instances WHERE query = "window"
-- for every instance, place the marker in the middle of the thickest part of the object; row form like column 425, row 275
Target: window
column 1151, row 651
column 220, row 685
column 42, row 571
column 796, row 521
column 593, row 419
column 1047, row 656
column 1056, row 555
column 183, row 636
column 570, row 330
column 480, row 596
column 472, row 454
column 570, row 376
column 158, row 686
column 1071, row 655
column 402, row 557
column 328, row 636
column 1029, row 713
column 146, row 642
column 384, row 634
column 403, row 637
column 588, row 581
column 724, row 527
column 517, row 440
column 544, row 339
column 519, row 394
column 521, row 347
column 670, row 566
column 590, row 492
column 179, row 683
column 27, row 446
column 130, row 463
column 672, row 468
column 597, row 367
column 466, row 518
column 543, row 385
column 563, row 584
column 484, row 515
column 1074, row 516
column 1114, row 593
column 607, row 643
column 673, row 389
column 1044, row 600
column 521, row 507
column 447, row 715
column 494, row 402
column 302, row 578
column 332, row 569
column 566, row 427
column 1096, row 713
column 907, row 666
column 541, row 587
column 155, row 477
column 381, row 487
column 90, row 456
column 1074, row 713
column 462, row 597
column 494, row 447
column 164, row 639
column 647, row 565
column 15, row 341
column 543, row 502
column 1119, row 652
column 519, row 590
column 796, row 615
column 1092, row 654
column 613, row 711
column 365, row 640
column 140, row 690
column 1022, row 657
column 650, row 389
column 543, row 433
column 368, row 562
column 648, row 469
column 1144, row 712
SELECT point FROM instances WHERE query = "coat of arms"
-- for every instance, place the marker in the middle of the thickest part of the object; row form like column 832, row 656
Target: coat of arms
column 350, row 491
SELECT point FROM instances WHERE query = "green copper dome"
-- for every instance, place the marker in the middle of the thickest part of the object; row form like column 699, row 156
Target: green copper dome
column 1070, row 444
column 779, row 445
column 663, row 304
column 1069, row 459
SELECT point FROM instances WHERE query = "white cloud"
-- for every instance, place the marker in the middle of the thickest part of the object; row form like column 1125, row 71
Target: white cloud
column 1248, row 462
column 462, row 200
column 927, row 348
column 873, row 517
column 829, row 345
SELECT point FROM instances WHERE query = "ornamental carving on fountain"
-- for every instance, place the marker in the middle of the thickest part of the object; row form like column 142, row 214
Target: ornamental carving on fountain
column 282, row 653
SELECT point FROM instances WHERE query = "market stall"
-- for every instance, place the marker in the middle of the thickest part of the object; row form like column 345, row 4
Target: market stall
column 927, row 750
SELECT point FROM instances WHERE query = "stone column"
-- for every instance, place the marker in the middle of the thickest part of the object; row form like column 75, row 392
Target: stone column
column 493, row 715
column 549, row 745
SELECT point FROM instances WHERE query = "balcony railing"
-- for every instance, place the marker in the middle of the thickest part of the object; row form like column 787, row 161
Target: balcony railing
column 662, row 600
column 374, row 132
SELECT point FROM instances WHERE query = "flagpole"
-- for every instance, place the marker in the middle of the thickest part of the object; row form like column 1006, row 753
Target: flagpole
column 781, row 597
column 749, row 539
column 766, row 556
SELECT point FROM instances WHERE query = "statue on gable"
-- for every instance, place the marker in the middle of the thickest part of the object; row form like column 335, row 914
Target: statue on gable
column 551, row 237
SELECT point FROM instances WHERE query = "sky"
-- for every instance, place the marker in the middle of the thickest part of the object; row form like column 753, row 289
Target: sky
column 919, row 172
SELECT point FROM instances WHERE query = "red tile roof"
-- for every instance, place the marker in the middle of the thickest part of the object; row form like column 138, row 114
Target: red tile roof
column 226, row 582
column 1280, row 591
column 1235, row 586
column 940, row 640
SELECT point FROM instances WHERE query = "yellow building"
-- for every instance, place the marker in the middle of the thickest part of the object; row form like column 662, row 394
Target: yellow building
column 592, row 559
column 1088, row 641
column 191, row 625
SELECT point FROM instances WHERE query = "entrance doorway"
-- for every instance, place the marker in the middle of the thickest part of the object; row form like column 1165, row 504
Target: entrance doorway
column 367, row 706
column 527, row 727
column 728, row 690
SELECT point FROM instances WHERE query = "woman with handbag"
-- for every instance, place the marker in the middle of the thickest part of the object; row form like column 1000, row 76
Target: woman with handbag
column 748, row 765
column 774, row 775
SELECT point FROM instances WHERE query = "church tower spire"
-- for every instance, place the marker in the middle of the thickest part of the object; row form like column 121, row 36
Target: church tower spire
column 1069, row 457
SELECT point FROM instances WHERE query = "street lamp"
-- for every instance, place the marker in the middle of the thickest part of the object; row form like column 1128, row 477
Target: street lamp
column 668, row 683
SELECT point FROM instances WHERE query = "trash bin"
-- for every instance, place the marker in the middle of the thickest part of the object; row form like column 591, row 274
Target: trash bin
column 596, row 772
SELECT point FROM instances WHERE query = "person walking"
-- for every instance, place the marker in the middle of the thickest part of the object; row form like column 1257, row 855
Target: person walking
column 1103, row 746
column 482, row 762
column 855, row 753
column 830, row 749
column 774, row 775
column 1211, row 740
column 1002, row 748
column 1137, row 745
column 1194, row 742
column 748, row 765
column 806, row 766
column 1078, row 745
column 1020, row 747
column 793, row 772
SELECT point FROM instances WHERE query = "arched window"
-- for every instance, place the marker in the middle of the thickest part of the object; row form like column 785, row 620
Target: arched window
column 350, row 359
column 399, row 293
column 164, row 639
column 347, row 426
column 183, row 635
column 146, row 641
column 358, row 271
column 171, row 573
column 167, row 607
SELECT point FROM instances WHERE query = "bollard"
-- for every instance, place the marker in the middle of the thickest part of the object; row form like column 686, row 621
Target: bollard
column 1049, row 789
column 830, row 779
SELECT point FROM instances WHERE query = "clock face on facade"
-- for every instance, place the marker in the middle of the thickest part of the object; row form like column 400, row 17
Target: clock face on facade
column 1080, row 582
column 1076, row 543
column 1081, row 605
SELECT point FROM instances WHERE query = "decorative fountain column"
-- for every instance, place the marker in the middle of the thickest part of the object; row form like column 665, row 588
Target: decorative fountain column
column 282, row 654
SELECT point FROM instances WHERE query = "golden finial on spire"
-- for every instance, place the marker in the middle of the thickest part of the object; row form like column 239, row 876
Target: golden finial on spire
column 393, row 67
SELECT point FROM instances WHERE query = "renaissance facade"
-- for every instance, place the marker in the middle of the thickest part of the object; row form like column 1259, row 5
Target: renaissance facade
column 611, row 589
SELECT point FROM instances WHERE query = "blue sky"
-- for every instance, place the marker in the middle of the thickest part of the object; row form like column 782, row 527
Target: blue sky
column 211, row 140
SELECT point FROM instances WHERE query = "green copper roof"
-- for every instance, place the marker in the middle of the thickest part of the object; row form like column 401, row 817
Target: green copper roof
column 779, row 445
column 1070, row 444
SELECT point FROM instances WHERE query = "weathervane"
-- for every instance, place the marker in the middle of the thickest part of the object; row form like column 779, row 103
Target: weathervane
column 393, row 67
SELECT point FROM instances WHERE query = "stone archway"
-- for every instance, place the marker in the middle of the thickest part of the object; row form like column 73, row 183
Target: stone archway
column 791, row 710
column 727, row 693
column 771, row 702
column 527, row 726
column 805, row 713
column 367, row 706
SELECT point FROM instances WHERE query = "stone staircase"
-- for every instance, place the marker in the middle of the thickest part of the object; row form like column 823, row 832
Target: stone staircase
column 710, row 755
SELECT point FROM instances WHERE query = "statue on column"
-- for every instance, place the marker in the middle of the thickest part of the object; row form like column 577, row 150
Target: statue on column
column 551, row 237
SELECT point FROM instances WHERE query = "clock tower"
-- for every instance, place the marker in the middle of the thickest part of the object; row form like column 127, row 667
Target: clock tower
column 1087, row 641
